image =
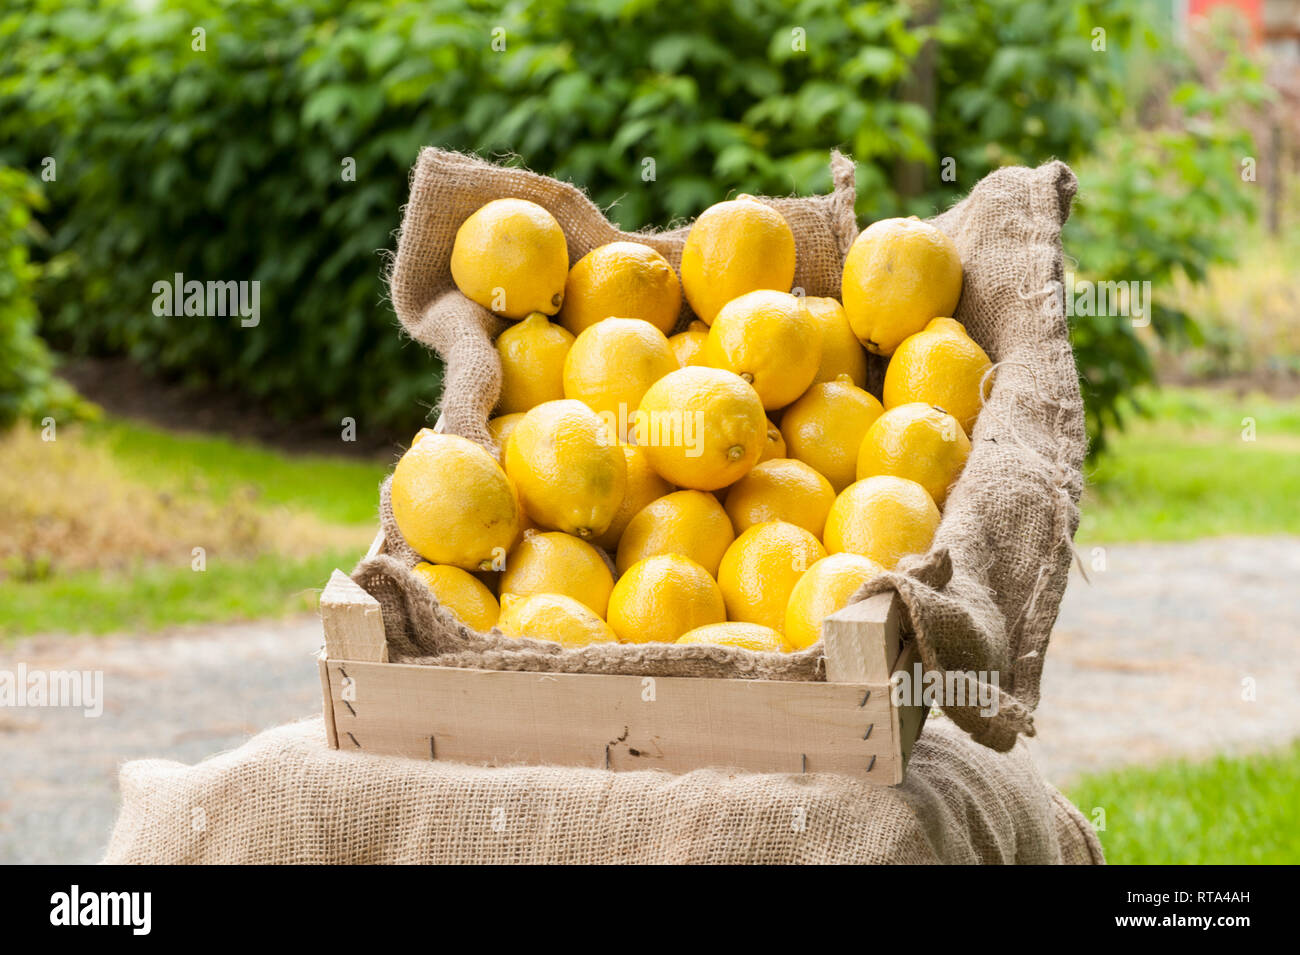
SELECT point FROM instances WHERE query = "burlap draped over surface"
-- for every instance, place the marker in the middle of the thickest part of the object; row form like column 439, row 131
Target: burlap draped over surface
column 285, row 797
column 982, row 601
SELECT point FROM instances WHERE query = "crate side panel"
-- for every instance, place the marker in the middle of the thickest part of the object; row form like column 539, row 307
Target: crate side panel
column 499, row 718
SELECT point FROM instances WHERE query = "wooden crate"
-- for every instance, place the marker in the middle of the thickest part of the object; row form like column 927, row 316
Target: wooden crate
column 502, row 717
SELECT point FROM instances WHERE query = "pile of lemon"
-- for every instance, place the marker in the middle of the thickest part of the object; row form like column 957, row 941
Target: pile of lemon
column 732, row 484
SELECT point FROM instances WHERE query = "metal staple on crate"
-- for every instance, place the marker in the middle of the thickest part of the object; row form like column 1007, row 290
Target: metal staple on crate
column 865, row 696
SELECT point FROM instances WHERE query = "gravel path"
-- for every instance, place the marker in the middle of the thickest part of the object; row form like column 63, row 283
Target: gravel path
column 183, row 697
column 1160, row 654
column 1148, row 661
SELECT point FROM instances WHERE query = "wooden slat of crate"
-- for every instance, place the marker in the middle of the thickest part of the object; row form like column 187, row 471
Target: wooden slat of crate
column 500, row 717
column 494, row 717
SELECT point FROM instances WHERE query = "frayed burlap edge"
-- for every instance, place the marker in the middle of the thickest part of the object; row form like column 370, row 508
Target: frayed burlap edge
column 420, row 630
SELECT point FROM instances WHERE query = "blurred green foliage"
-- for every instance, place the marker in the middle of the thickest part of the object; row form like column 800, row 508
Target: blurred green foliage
column 1160, row 207
column 227, row 163
column 29, row 389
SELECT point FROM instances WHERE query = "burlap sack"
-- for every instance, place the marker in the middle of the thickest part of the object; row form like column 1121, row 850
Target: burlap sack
column 983, row 600
column 285, row 797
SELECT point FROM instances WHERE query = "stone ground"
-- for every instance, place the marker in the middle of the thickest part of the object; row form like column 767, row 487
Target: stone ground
column 1149, row 661
column 1174, row 649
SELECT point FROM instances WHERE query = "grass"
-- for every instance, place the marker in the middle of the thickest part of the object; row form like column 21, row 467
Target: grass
column 336, row 490
column 75, row 504
column 1188, row 472
column 101, row 525
column 154, row 597
column 1239, row 810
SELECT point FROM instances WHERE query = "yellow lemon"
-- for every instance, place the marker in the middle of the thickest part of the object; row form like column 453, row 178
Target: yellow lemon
column 532, row 363
column 688, row 346
column 621, row 278
column 453, row 503
column 644, row 485
column 774, row 446
column 462, row 593
column 735, row 247
column 421, row 435
column 500, row 428
column 826, row 426
column 842, row 353
column 899, row 274
column 612, row 364
column 661, row 598
column 526, row 524
column 510, row 257
column 918, row 442
column 761, row 568
column 556, row 563
column 743, row 636
column 570, row 477
column 690, row 523
column 822, row 591
column 701, row 428
column 780, row 490
column 884, row 518
column 553, row 617
column 769, row 339
column 942, row 366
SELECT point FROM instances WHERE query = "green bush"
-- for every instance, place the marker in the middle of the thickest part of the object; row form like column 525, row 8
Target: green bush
column 227, row 163
column 28, row 388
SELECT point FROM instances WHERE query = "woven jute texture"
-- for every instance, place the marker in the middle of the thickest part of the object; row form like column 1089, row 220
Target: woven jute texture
column 980, row 603
column 285, row 797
